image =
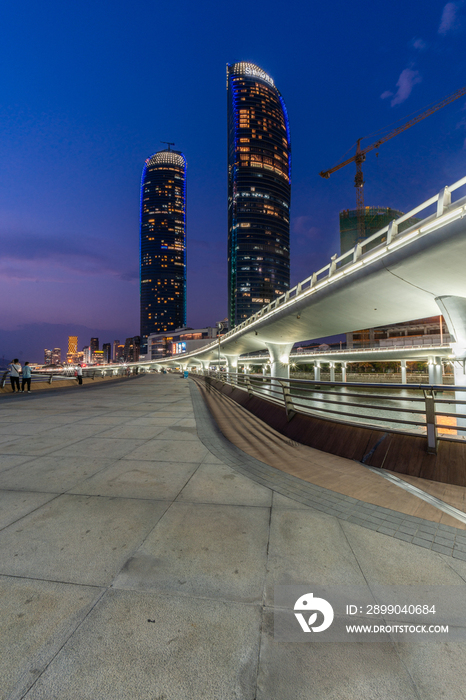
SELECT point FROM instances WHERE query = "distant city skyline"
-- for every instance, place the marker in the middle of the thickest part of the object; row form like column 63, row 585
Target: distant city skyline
column 74, row 138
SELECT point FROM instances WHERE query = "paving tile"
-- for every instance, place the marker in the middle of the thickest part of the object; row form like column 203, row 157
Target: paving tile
column 443, row 541
column 396, row 562
column 138, row 479
column 160, row 647
column 63, row 540
column 215, row 483
column 213, row 551
column 427, row 536
column 403, row 536
column 169, row 451
column 99, row 447
column 330, row 671
column 51, row 474
column 36, row 619
column 137, row 432
column 304, row 548
column 14, row 505
column 434, row 668
column 407, row 529
column 38, row 444
column 441, row 548
column 281, row 501
column 459, row 554
column 422, row 543
column 9, row 461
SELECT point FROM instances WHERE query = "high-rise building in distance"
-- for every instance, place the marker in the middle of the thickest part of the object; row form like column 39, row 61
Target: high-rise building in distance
column 375, row 218
column 259, row 190
column 72, row 354
column 107, row 350
column 163, row 243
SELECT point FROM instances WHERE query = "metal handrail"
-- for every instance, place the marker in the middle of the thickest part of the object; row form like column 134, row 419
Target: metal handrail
column 291, row 394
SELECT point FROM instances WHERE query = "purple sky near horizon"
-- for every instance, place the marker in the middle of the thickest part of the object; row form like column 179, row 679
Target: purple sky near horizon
column 90, row 90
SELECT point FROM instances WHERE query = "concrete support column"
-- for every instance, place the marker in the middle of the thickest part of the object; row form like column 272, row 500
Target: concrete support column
column 343, row 371
column 203, row 367
column 404, row 379
column 438, row 371
column 453, row 309
column 332, row 371
column 279, row 359
column 317, row 370
column 431, row 370
column 232, row 365
column 264, row 372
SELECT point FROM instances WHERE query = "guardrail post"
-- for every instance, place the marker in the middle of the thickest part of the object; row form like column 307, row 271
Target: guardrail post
column 289, row 406
column 93, row 375
column 50, row 378
column 429, row 396
column 249, row 387
column 3, row 380
column 444, row 201
column 392, row 231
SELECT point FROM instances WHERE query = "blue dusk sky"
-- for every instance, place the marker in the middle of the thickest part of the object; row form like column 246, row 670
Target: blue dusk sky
column 90, row 89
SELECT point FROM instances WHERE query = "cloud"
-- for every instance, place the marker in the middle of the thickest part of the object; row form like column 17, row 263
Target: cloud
column 302, row 226
column 448, row 18
column 28, row 256
column 407, row 80
column 418, row 44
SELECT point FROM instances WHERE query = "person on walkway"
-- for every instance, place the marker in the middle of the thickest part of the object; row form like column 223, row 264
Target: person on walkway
column 26, row 377
column 79, row 374
column 15, row 369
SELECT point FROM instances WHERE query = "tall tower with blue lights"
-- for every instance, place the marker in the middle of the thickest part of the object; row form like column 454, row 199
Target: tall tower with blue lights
column 259, row 191
column 163, row 243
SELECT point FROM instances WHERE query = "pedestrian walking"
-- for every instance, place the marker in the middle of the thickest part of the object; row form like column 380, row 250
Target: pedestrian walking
column 15, row 369
column 79, row 374
column 26, row 381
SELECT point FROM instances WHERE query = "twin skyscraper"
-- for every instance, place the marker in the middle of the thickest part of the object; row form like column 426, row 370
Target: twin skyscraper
column 259, row 189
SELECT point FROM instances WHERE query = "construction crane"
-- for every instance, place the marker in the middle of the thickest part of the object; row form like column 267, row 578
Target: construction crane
column 360, row 155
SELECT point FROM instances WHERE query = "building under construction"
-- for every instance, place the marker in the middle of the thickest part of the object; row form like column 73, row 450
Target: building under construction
column 375, row 218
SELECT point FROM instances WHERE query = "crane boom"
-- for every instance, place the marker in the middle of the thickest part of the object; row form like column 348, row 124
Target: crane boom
column 443, row 103
column 360, row 155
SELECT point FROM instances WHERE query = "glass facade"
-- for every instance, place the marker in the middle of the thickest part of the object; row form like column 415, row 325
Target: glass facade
column 163, row 244
column 259, row 189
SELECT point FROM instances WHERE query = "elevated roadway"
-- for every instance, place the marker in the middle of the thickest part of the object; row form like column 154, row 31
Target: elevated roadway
column 389, row 278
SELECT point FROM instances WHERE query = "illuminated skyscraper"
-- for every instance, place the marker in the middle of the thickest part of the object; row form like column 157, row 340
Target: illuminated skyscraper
column 72, row 353
column 163, row 243
column 259, row 172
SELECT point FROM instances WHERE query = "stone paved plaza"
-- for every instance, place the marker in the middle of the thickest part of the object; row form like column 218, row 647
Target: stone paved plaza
column 137, row 564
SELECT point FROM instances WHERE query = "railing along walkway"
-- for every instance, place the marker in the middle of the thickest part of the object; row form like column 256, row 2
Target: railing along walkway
column 430, row 410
